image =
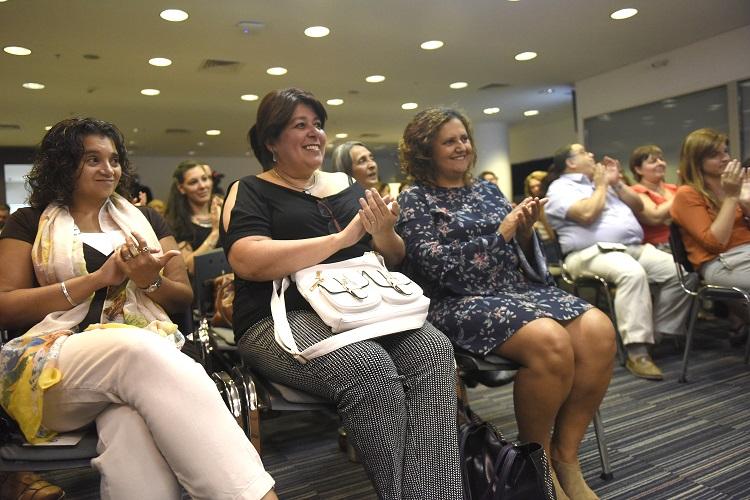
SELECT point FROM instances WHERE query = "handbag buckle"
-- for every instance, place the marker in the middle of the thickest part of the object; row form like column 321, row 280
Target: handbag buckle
column 350, row 288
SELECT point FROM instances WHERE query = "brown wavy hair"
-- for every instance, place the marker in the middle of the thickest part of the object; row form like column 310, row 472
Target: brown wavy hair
column 415, row 147
column 641, row 154
column 53, row 176
column 699, row 145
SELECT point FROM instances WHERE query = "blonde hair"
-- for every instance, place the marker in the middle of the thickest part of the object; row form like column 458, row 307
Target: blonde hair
column 536, row 175
column 699, row 145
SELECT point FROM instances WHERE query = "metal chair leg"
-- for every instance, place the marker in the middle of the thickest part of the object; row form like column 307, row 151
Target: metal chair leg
column 601, row 442
column 689, row 339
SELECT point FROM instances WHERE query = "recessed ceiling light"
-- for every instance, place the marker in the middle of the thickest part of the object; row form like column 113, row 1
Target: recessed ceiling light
column 33, row 86
column 525, row 56
column 458, row 85
column 491, row 111
column 249, row 97
column 200, row 143
column 317, row 31
column 409, row 105
column 135, row 130
column 531, row 112
column 432, row 45
column 150, row 92
column 335, row 102
column 159, row 61
column 174, row 15
column 375, row 79
column 48, row 127
column 191, row 153
column 342, row 136
column 623, row 13
column 547, row 91
column 213, row 132
column 17, row 51
column 276, row 71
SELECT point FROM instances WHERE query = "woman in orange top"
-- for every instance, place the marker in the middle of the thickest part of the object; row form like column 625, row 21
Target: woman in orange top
column 648, row 166
column 713, row 210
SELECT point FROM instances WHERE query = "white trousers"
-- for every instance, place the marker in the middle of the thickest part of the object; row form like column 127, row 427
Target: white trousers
column 632, row 271
column 161, row 422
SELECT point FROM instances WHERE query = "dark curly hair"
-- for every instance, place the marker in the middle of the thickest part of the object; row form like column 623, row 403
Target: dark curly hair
column 415, row 147
column 274, row 112
column 53, row 177
column 178, row 212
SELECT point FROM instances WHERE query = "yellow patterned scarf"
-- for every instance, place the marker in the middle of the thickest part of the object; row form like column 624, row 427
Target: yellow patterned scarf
column 28, row 364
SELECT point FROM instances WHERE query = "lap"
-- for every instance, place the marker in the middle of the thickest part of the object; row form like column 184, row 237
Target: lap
column 731, row 268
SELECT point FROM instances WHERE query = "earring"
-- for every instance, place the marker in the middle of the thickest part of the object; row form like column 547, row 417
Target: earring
column 273, row 156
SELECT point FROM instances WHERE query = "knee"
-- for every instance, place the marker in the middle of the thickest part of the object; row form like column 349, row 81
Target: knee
column 437, row 348
column 631, row 274
column 550, row 349
column 599, row 334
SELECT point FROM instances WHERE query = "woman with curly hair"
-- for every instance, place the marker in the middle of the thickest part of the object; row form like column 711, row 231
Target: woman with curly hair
column 90, row 278
column 480, row 262
column 193, row 211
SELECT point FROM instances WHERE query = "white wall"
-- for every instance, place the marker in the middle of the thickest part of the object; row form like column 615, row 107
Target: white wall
column 491, row 140
column 539, row 136
column 156, row 171
column 705, row 64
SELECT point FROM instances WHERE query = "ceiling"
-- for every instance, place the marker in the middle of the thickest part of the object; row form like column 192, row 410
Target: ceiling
column 92, row 57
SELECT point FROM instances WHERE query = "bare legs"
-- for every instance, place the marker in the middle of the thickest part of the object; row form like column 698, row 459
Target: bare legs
column 565, row 371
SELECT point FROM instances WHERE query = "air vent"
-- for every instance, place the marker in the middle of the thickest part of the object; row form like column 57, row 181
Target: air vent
column 369, row 135
column 176, row 131
column 494, row 86
column 9, row 126
column 219, row 66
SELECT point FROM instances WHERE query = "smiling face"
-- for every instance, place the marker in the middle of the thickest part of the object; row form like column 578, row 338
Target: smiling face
column 99, row 170
column 452, row 154
column 652, row 169
column 197, row 185
column 301, row 145
column 364, row 167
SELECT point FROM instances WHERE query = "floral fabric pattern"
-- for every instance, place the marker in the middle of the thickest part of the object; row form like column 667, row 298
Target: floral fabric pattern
column 482, row 288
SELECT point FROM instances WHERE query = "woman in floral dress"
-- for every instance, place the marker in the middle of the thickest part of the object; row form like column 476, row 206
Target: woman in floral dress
column 480, row 262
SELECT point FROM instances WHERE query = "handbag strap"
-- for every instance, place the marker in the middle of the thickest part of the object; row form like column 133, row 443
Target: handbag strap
column 285, row 339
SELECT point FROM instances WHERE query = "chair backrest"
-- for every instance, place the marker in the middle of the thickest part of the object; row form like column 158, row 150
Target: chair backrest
column 207, row 267
column 679, row 254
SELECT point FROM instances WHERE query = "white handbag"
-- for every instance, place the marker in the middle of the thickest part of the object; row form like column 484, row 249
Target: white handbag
column 358, row 298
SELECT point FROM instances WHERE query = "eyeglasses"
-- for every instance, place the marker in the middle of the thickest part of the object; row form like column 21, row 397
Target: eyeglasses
column 326, row 211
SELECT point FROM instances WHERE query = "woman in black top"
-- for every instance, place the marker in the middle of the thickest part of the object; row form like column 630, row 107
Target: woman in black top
column 193, row 210
column 90, row 280
column 395, row 394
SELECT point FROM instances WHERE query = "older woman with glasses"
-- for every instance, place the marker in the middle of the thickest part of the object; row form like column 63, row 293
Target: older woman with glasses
column 395, row 394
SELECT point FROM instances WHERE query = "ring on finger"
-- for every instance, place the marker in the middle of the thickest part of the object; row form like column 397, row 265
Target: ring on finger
column 145, row 249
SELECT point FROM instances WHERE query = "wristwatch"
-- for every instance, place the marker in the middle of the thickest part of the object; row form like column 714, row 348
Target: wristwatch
column 153, row 286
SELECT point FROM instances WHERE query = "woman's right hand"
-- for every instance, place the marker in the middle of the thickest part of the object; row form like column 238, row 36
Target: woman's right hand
column 352, row 233
column 521, row 218
column 732, row 179
column 745, row 191
column 215, row 209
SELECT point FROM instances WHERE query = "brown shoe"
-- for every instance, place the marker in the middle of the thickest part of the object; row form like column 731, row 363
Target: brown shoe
column 27, row 486
column 644, row 367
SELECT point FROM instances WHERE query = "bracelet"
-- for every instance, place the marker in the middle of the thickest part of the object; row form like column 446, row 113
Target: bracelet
column 67, row 295
column 746, row 218
column 153, row 286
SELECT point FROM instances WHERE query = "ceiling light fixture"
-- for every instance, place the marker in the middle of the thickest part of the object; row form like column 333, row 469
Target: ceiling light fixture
column 531, row 112
column 342, row 136
column 432, row 45
column 150, row 92
column 409, row 105
column 375, row 79
column 525, row 56
column 458, row 85
column 623, row 14
column 335, row 102
column 491, row 111
column 159, row 61
column 249, row 97
column 317, row 31
column 200, row 143
column 547, row 91
column 213, row 132
column 191, row 153
column 276, row 71
column 48, row 127
column 33, row 86
column 173, row 15
column 17, row 51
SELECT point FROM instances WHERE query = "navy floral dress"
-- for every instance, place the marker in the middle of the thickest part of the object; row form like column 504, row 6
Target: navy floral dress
column 482, row 288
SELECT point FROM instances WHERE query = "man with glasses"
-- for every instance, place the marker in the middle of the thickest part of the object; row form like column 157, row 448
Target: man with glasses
column 593, row 212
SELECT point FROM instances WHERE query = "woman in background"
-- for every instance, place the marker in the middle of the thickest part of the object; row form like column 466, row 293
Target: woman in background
column 193, row 211
column 648, row 167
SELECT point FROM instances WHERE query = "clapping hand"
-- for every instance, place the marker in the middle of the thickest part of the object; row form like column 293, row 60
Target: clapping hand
column 377, row 217
column 745, row 191
column 612, row 170
column 520, row 221
column 732, row 179
column 136, row 261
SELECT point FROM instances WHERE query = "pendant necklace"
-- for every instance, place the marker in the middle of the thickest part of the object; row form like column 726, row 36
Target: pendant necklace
column 305, row 189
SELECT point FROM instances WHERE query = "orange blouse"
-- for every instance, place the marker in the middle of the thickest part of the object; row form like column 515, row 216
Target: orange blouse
column 695, row 215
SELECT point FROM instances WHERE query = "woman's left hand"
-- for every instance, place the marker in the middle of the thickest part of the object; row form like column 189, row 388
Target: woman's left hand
column 376, row 216
column 136, row 260
column 531, row 209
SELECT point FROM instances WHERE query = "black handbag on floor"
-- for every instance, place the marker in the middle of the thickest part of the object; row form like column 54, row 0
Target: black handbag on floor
column 494, row 469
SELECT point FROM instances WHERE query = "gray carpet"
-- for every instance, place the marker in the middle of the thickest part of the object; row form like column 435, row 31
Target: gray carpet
column 666, row 440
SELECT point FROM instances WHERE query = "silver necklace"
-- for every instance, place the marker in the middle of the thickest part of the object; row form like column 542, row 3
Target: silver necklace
column 305, row 189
